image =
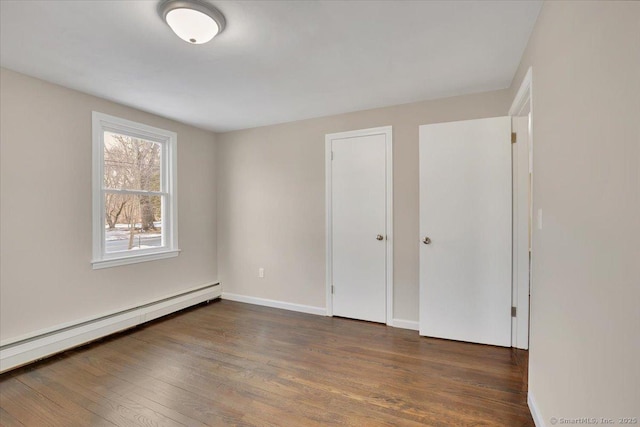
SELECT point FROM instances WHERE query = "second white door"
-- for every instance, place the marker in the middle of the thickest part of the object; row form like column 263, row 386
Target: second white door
column 465, row 225
column 358, row 244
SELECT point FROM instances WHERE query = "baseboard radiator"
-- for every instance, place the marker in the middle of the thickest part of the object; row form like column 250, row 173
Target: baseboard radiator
column 26, row 349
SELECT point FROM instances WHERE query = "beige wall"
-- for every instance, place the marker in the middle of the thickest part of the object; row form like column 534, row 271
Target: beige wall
column 271, row 193
column 45, row 216
column 585, row 297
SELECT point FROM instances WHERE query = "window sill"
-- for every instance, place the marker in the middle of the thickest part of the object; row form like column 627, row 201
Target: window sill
column 134, row 259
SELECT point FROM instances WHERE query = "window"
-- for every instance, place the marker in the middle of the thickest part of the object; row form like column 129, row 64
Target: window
column 134, row 192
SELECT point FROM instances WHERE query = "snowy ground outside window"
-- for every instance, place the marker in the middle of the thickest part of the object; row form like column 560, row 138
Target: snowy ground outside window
column 119, row 239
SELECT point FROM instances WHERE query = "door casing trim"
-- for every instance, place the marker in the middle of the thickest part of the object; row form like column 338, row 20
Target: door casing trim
column 388, row 132
column 521, row 325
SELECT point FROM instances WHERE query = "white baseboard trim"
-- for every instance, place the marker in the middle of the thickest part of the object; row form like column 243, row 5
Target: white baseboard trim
column 26, row 349
column 535, row 412
column 320, row 311
column 404, row 324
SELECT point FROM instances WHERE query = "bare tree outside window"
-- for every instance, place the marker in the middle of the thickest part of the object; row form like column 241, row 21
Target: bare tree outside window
column 132, row 221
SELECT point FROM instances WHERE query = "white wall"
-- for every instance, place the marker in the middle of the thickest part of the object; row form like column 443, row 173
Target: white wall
column 585, row 296
column 45, row 214
column 271, row 192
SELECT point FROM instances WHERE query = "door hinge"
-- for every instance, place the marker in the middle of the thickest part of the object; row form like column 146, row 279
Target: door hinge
column 332, row 155
column 332, row 289
column 514, row 311
column 514, row 137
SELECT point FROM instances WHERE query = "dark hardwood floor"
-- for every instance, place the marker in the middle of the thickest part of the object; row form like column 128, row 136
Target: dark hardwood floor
column 228, row 363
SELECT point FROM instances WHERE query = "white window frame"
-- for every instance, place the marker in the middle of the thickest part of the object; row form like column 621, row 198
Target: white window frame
column 168, row 188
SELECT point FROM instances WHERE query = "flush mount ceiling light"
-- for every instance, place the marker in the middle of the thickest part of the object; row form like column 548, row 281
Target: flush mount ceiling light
column 194, row 21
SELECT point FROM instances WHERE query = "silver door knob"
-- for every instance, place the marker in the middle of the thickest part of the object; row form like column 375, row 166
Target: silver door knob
column 426, row 241
column 379, row 237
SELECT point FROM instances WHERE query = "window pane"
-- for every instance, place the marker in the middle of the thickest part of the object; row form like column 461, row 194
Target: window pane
column 132, row 222
column 131, row 163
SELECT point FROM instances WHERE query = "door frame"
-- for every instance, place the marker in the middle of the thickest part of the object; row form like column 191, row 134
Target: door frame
column 521, row 323
column 388, row 132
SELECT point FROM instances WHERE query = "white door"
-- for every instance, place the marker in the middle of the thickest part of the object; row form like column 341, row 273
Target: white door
column 465, row 217
column 358, row 224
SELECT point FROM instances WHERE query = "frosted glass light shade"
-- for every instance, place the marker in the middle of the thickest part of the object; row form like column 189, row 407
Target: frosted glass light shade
column 192, row 26
column 194, row 21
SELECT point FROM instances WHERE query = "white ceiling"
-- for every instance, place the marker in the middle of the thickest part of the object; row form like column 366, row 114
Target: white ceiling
column 277, row 61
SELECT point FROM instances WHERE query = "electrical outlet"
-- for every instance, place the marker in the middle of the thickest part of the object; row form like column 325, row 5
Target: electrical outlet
column 261, row 272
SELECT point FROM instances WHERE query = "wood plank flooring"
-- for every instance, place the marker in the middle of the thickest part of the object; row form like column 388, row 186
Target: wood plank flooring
column 228, row 363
